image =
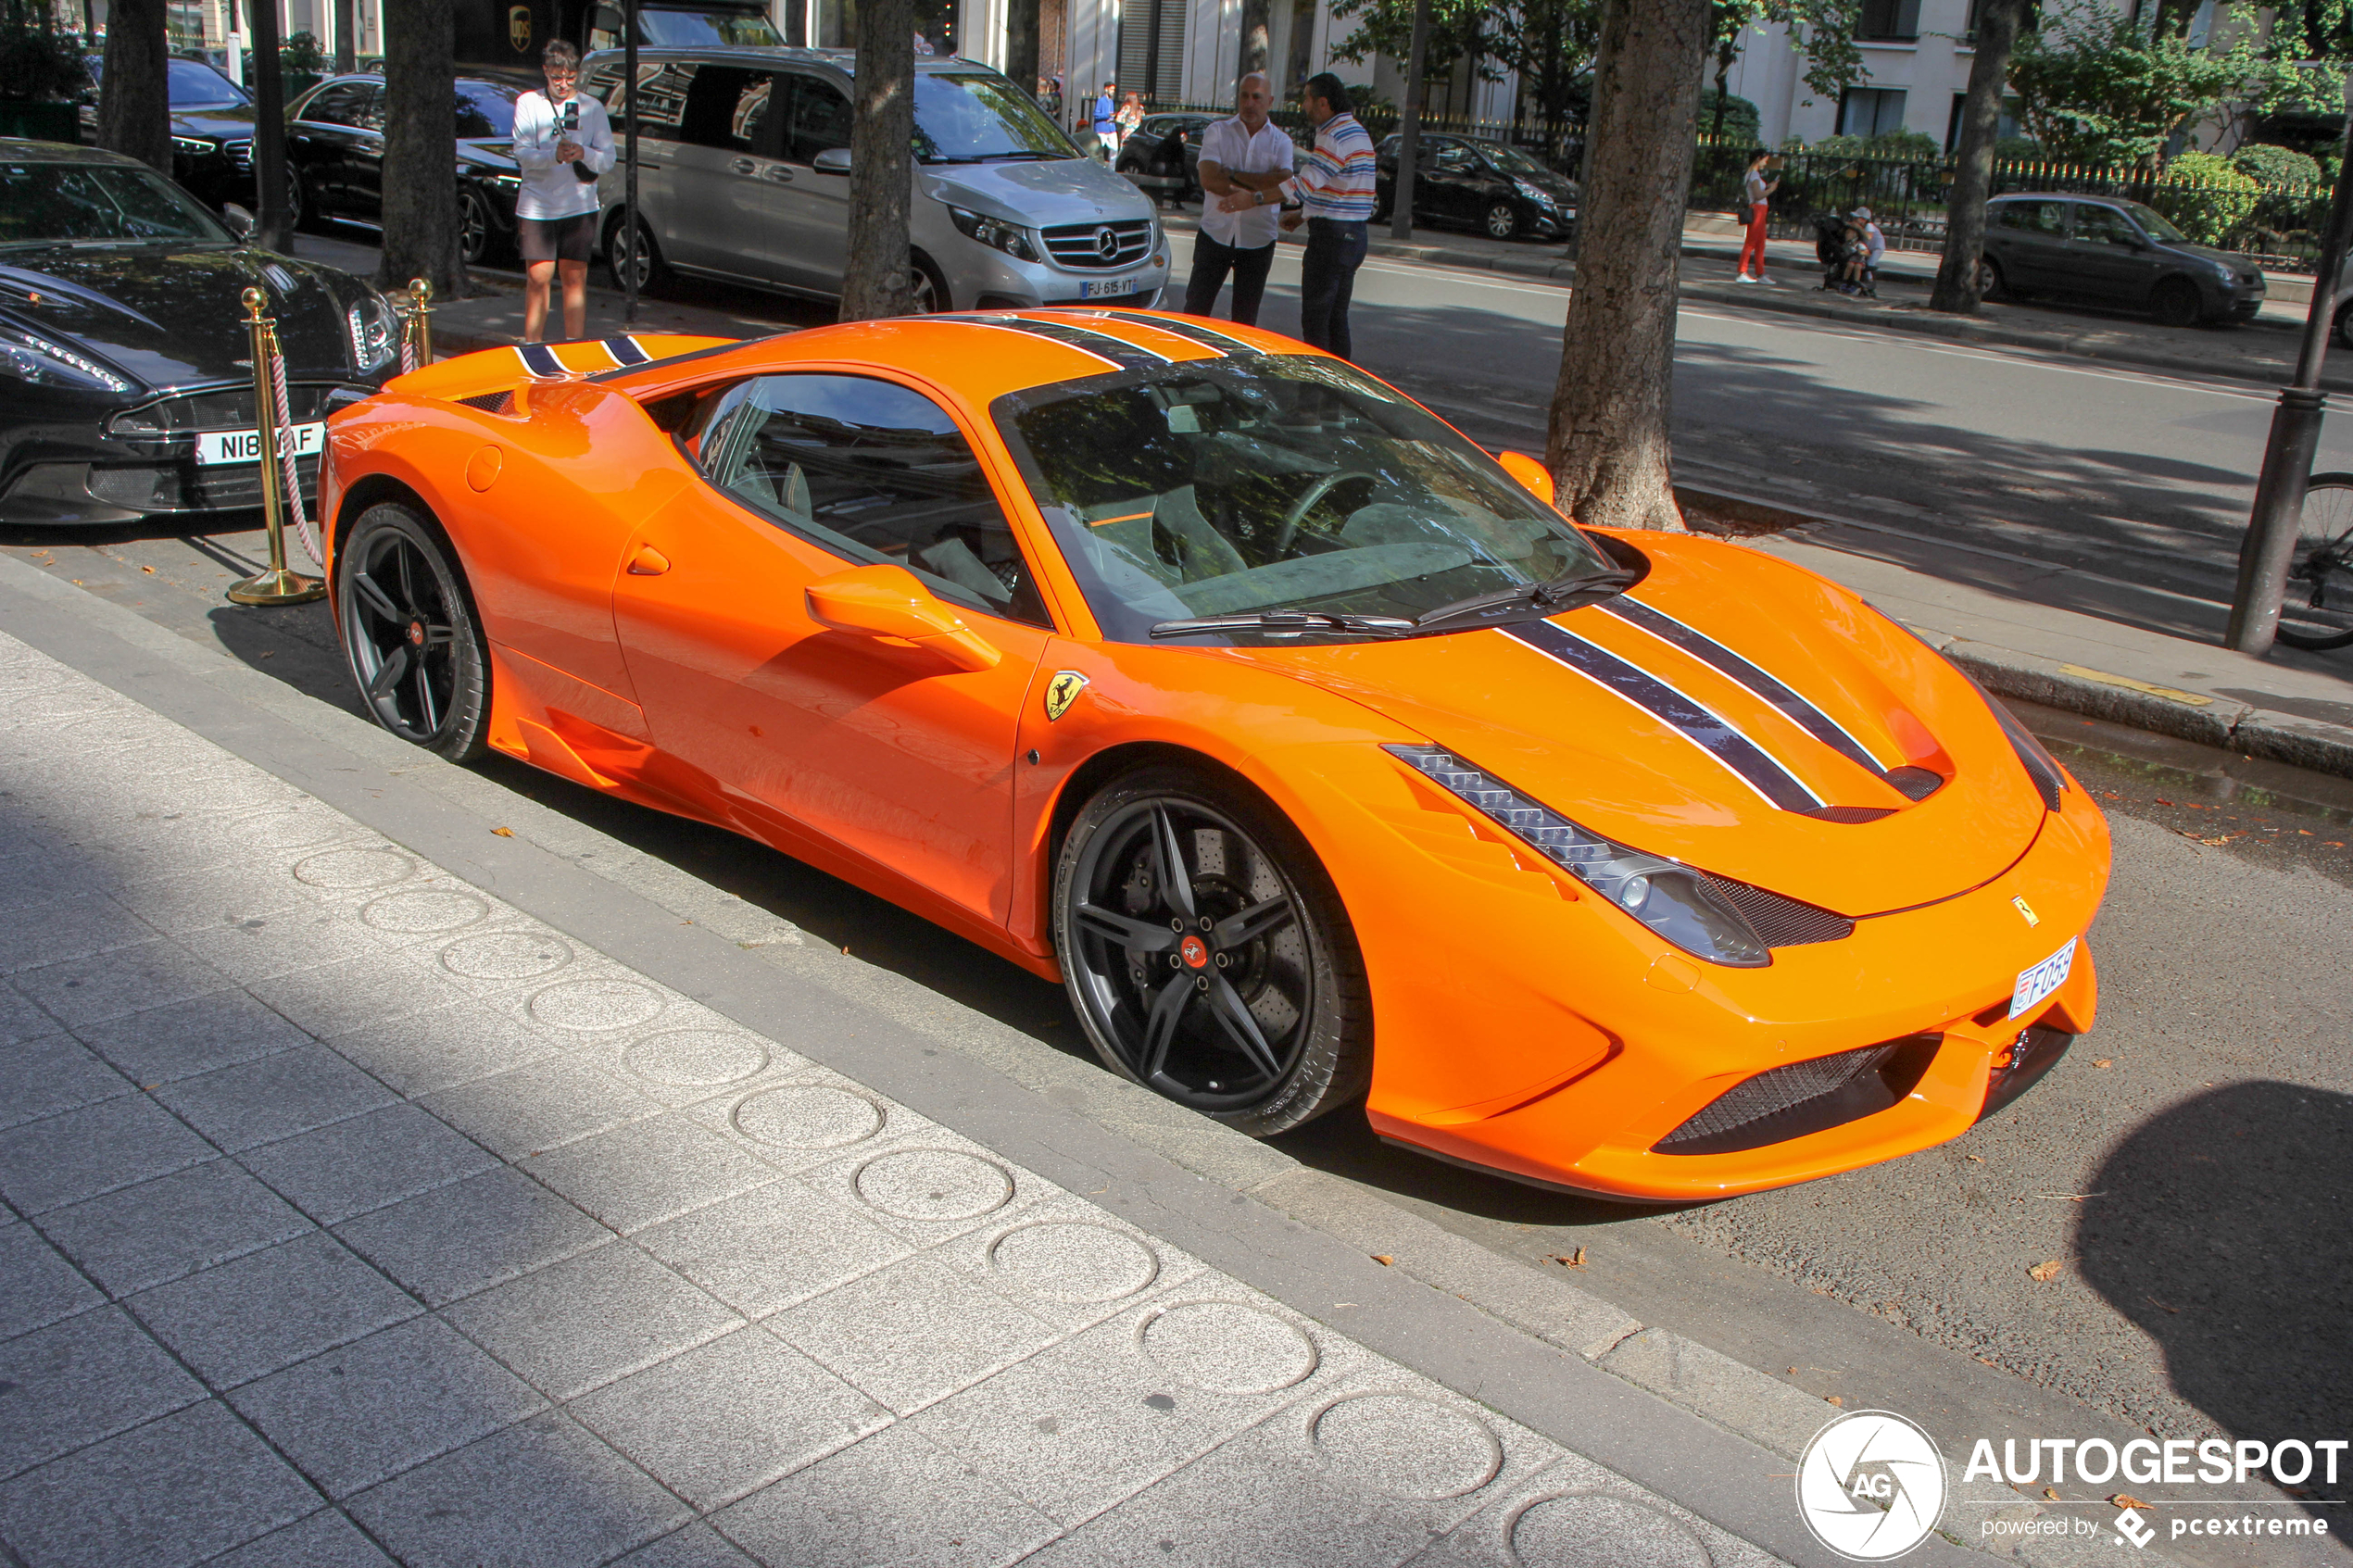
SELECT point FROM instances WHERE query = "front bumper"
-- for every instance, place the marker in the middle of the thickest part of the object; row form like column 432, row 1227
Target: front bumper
column 987, row 280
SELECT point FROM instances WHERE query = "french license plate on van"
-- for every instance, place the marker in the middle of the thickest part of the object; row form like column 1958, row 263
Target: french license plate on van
column 2035, row 983
column 245, row 446
column 1105, row 288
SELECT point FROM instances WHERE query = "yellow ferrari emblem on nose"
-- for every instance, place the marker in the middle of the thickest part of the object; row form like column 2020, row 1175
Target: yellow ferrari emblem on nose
column 2028, row 910
column 1062, row 691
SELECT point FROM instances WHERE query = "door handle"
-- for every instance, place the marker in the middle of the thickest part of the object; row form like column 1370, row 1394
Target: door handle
column 779, row 173
column 649, row 562
column 740, row 165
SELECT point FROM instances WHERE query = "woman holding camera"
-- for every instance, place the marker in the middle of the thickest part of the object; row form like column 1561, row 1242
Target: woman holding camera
column 562, row 143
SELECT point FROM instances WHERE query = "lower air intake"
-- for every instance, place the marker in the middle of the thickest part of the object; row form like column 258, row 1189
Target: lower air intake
column 1804, row 1097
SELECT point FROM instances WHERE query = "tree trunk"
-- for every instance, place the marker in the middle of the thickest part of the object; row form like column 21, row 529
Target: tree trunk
column 1608, row 446
column 1409, row 137
column 1956, row 288
column 345, row 53
column 134, row 110
column 1255, row 35
column 878, row 280
column 421, row 237
column 1021, row 43
column 274, row 218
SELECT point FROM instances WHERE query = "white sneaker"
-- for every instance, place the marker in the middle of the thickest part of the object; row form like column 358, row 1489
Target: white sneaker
column 1742, row 278
column 1763, row 279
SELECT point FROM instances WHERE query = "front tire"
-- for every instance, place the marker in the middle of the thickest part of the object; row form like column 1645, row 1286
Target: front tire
column 625, row 249
column 1502, row 221
column 1991, row 284
column 2321, row 577
column 2176, row 302
column 1207, row 955
column 929, row 289
column 474, row 226
column 414, row 645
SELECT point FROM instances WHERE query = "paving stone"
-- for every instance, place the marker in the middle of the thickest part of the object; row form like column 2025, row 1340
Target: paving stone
column 37, row 940
column 696, row 1546
column 274, row 1096
column 1226, row 1347
column 722, row 1419
column 489, row 962
column 1068, row 1263
column 359, row 867
column 340, row 999
column 42, row 1078
column 895, row 1498
column 647, row 1172
column 804, row 1125
column 772, row 1246
column 174, row 1492
column 35, row 876
column 912, row 1333
column 352, row 1167
column 126, row 980
column 326, row 1539
column 173, row 1225
column 596, row 1006
column 928, row 1189
column 213, row 899
column 157, row 1045
column 541, row 1106
column 545, row 1494
column 303, row 936
column 450, row 1045
column 80, row 1380
column 472, row 1234
column 19, row 1019
column 676, row 1064
column 365, row 1412
column 79, row 1154
column 37, row 1284
column 271, row 1308
column 1594, row 1529
column 588, row 1320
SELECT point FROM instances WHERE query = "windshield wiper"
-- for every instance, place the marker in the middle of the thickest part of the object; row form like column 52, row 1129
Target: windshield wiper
column 1548, row 597
column 1288, row 620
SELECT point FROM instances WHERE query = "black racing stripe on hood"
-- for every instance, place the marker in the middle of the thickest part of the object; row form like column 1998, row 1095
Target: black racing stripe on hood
column 1710, row 652
column 1189, row 331
column 1101, row 345
column 626, row 351
column 540, row 359
column 1708, row 731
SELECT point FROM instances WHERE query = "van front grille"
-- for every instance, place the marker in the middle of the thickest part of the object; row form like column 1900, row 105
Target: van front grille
column 1099, row 244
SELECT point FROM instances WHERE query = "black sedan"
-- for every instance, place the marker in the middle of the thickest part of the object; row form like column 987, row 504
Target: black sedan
column 126, row 387
column 1162, row 156
column 212, row 130
column 335, row 146
column 1501, row 191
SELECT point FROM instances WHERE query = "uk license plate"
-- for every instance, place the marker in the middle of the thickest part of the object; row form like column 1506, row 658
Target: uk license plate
column 2036, row 984
column 1105, row 288
column 245, row 446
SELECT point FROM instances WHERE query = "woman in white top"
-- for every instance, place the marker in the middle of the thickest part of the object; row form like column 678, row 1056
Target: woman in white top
column 562, row 143
column 1131, row 115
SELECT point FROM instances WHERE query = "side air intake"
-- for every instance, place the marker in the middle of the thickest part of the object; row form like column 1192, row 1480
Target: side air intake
column 1804, row 1097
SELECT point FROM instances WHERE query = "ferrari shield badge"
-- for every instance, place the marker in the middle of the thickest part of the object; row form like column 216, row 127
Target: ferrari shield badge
column 519, row 28
column 1062, row 691
column 2024, row 908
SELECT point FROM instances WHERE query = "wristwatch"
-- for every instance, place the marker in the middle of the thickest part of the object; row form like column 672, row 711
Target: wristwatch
column 1258, row 198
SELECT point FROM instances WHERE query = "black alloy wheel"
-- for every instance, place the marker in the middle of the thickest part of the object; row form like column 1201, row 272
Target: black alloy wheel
column 299, row 211
column 1207, row 955
column 1990, row 282
column 2176, row 304
column 415, row 648
column 2321, row 576
column 1502, row 221
column 2344, row 325
column 626, row 248
column 475, row 227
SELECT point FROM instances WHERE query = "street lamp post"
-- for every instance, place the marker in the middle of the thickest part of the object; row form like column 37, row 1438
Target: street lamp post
column 1409, row 138
column 2269, row 548
column 629, row 179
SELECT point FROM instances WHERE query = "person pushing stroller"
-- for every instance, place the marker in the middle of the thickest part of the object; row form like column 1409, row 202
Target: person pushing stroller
column 1849, row 249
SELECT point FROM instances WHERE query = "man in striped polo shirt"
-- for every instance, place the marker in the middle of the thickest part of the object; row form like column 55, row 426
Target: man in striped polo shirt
column 1336, row 192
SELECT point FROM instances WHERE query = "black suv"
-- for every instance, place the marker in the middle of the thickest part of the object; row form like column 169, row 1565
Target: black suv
column 2108, row 251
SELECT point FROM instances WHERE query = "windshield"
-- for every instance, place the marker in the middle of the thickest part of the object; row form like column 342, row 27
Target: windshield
column 2153, row 223
column 486, row 109
column 195, row 86
column 1222, row 487
column 690, row 28
column 1511, row 160
column 63, row 203
column 976, row 118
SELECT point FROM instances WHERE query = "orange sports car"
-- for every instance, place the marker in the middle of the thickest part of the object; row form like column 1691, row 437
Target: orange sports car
column 1307, row 744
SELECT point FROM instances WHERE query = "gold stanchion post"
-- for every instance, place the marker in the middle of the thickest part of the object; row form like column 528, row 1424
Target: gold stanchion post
column 419, row 314
column 278, row 585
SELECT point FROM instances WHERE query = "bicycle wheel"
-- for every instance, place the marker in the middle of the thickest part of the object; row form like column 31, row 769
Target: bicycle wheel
column 2322, row 576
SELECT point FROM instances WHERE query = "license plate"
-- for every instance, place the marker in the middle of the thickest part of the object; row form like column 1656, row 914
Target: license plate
column 2036, row 984
column 245, row 446
column 1104, row 288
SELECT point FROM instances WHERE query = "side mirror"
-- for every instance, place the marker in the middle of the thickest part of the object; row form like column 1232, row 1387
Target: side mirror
column 888, row 602
column 832, row 160
column 1533, row 476
column 237, row 220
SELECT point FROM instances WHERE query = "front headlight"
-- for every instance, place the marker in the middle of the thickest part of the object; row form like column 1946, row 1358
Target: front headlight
column 193, row 146
column 995, row 232
column 36, row 360
column 1540, row 197
column 375, row 332
column 1672, row 900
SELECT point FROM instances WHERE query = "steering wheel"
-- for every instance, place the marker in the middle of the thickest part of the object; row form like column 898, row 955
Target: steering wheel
column 1306, row 504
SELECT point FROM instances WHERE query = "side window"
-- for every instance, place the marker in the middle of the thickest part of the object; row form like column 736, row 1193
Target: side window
column 2105, row 226
column 820, row 121
column 2035, row 218
column 874, row 472
column 1451, row 158
column 662, row 90
column 728, row 108
column 333, row 105
column 370, row 108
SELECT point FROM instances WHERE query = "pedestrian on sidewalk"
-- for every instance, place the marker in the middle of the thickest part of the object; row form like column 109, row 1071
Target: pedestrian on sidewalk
column 1131, row 115
column 1241, row 242
column 1866, row 245
column 1335, row 191
column 562, row 142
column 1757, row 195
column 1106, row 122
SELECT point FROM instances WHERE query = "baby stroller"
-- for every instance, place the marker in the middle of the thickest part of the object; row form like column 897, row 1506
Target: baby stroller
column 1839, row 247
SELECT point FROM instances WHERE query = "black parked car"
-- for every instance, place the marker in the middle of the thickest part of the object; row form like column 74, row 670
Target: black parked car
column 2113, row 252
column 335, row 146
column 211, row 130
column 1500, row 191
column 126, row 386
column 1162, row 156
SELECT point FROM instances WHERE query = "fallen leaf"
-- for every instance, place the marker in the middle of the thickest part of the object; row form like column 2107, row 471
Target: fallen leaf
column 2126, row 1500
column 148, row 569
column 1832, row 1399
column 2045, row 1271
column 2193, row 805
column 2162, row 801
column 1384, row 1260
column 1793, row 1372
column 2154, row 1302
column 504, row 833
column 1977, row 1157
column 2304, row 833
column 1571, row 1260
column 2052, row 1493
column 2332, row 843
column 269, row 653
column 2224, row 839
column 2103, row 1062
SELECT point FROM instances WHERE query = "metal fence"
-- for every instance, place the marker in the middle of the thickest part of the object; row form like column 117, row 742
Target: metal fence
column 1559, row 143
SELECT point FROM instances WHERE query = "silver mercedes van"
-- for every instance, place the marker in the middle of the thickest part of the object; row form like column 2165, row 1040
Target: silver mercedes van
column 743, row 174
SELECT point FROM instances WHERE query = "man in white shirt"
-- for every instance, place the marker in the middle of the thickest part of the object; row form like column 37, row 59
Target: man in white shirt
column 557, row 132
column 1243, row 242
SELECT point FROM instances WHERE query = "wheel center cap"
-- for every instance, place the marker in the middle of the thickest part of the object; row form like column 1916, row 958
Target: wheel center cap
column 417, row 632
column 1194, row 951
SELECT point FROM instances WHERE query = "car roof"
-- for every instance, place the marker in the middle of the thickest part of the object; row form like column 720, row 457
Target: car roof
column 842, row 60
column 16, row 149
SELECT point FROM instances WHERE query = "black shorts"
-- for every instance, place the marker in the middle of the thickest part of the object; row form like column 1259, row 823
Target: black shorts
column 557, row 239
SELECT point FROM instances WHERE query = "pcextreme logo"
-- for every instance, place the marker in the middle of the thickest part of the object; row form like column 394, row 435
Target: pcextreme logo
column 1871, row 1485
